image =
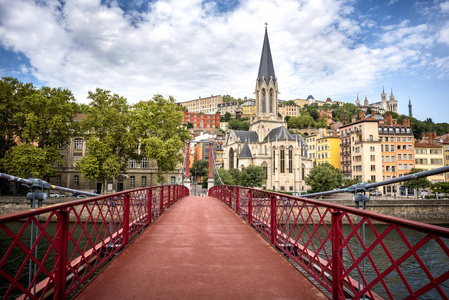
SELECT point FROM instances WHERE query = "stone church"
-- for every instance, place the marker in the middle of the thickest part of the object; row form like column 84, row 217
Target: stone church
column 268, row 143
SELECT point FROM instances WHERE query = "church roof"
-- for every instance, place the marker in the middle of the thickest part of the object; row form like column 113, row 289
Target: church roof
column 246, row 152
column 250, row 136
column 280, row 133
column 266, row 67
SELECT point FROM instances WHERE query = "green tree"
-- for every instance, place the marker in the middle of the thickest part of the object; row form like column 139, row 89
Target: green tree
column 322, row 123
column 12, row 98
column 238, row 124
column 189, row 125
column 225, row 177
column 347, row 182
column 202, row 168
column 41, row 118
column 111, row 142
column 252, row 176
column 25, row 160
column 417, row 184
column 440, row 187
column 157, row 123
column 228, row 98
column 324, row 177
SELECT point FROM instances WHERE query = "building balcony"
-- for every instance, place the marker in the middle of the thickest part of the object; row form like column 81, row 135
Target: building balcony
column 374, row 141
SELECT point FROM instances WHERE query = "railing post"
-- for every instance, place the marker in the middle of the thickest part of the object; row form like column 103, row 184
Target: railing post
column 62, row 238
column 230, row 196
column 273, row 224
column 169, row 195
column 237, row 200
column 337, row 264
column 250, row 207
column 126, row 218
column 161, row 207
column 150, row 205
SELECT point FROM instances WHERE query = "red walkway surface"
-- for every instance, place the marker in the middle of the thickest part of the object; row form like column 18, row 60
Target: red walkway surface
column 200, row 249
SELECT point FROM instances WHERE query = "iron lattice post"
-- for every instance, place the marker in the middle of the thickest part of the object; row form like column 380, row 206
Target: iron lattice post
column 337, row 263
column 168, row 196
column 62, row 239
column 161, row 202
column 237, row 200
column 273, row 225
column 126, row 218
column 250, row 207
column 150, row 205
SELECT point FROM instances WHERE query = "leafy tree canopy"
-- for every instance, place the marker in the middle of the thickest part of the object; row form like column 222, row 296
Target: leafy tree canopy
column 252, row 176
column 420, row 183
column 202, row 168
column 225, row 177
column 324, row 177
column 238, row 124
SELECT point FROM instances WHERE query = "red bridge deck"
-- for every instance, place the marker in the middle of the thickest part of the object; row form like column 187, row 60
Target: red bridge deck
column 200, row 249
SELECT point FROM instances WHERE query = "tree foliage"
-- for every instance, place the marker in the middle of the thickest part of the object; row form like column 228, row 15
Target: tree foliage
column 200, row 168
column 157, row 124
column 25, row 160
column 238, row 124
column 225, row 177
column 417, row 184
column 440, row 187
column 252, row 176
column 324, row 177
column 41, row 118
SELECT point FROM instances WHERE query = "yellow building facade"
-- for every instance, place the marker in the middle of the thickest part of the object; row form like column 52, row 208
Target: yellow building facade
column 429, row 157
column 328, row 151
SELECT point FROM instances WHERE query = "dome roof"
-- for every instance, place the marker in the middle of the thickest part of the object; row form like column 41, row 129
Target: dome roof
column 310, row 97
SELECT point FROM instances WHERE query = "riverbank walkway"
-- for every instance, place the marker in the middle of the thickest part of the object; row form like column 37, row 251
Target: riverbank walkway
column 200, row 249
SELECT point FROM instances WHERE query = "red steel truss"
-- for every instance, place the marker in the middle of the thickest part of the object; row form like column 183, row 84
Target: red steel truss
column 74, row 239
column 401, row 258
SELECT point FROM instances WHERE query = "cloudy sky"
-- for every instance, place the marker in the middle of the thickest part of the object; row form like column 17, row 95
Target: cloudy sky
column 192, row 48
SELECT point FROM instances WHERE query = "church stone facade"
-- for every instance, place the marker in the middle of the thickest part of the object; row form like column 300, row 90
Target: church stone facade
column 390, row 105
column 268, row 143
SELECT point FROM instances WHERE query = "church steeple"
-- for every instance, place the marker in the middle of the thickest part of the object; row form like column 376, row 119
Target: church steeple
column 266, row 68
column 266, row 84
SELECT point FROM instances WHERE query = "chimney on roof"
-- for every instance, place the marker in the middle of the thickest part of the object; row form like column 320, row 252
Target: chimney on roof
column 361, row 115
column 406, row 122
column 353, row 119
column 388, row 119
column 430, row 138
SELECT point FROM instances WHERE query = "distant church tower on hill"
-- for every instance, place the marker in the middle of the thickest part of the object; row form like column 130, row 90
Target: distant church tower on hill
column 268, row 143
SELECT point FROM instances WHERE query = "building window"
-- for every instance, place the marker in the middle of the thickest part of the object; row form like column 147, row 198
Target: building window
column 290, row 160
column 79, row 143
column 373, row 167
column 282, row 160
column 76, row 180
column 132, row 180
column 145, row 163
column 173, row 180
column 372, row 157
column 371, row 149
column 144, row 181
column 76, row 159
column 132, row 163
column 58, row 180
column 373, row 178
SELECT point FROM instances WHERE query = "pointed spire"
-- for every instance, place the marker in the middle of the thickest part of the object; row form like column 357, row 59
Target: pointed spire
column 246, row 152
column 383, row 89
column 391, row 91
column 266, row 68
column 357, row 96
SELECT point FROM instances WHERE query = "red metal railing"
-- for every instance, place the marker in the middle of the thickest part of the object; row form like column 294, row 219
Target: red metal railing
column 73, row 240
column 351, row 253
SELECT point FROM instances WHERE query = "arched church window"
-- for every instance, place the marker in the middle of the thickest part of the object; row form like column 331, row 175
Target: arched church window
column 290, row 160
column 265, row 169
column 271, row 101
column 231, row 159
column 264, row 102
column 282, row 160
column 273, row 161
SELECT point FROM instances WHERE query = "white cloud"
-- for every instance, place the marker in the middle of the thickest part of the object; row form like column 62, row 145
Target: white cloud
column 187, row 49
